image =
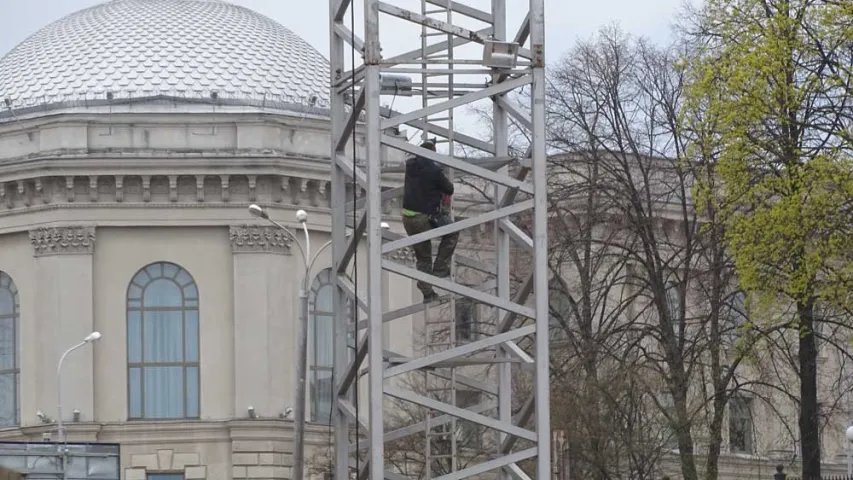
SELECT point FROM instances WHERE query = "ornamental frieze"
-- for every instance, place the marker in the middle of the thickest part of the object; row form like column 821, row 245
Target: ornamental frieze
column 63, row 240
column 259, row 239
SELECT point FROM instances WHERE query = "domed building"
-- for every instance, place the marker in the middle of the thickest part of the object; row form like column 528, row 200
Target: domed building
column 133, row 137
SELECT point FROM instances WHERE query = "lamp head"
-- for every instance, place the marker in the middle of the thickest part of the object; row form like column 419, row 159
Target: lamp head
column 849, row 434
column 92, row 337
column 301, row 216
column 258, row 211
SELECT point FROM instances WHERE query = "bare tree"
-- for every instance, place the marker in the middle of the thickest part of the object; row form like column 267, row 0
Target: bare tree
column 625, row 187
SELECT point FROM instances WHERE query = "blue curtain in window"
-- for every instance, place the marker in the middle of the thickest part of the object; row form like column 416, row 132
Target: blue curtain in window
column 9, row 352
column 163, row 343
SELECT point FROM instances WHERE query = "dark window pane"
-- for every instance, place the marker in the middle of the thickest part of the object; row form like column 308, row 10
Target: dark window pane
column 8, row 355
column 183, row 278
column 192, row 392
column 191, row 292
column 8, row 400
column 134, row 336
column 170, row 270
column 141, row 278
column 163, row 293
column 324, row 341
column 321, row 407
column 155, row 270
column 163, row 333
column 191, row 328
column 7, row 302
column 164, row 392
column 134, row 292
column 134, row 391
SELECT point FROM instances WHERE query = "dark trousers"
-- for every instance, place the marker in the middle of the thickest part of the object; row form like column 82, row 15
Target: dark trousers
column 423, row 251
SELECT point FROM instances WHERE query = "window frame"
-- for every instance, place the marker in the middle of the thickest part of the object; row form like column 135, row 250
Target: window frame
column 135, row 303
column 7, row 283
column 741, row 413
column 323, row 279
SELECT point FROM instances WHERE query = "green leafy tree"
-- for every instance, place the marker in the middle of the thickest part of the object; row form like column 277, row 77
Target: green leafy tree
column 774, row 77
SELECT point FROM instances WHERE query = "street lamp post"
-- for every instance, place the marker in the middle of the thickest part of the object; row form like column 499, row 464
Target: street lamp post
column 60, row 427
column 302, row 331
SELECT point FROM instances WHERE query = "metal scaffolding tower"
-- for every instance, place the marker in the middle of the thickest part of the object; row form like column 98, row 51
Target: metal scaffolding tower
column 360, row 76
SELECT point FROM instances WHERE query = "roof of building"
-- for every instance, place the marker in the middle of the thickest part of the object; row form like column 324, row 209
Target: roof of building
column 183, row 50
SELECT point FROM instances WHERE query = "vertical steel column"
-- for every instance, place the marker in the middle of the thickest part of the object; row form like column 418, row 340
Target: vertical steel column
column 340, row 422
column 373, row 134
column 540, row 237
column 500, row 125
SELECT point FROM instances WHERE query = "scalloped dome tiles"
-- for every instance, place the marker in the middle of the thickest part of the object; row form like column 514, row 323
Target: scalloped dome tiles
column 180, row 48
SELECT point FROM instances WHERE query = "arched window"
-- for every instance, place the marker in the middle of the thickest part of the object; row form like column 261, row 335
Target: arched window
column 9, row 352
column 162, row 343
column 321, row 332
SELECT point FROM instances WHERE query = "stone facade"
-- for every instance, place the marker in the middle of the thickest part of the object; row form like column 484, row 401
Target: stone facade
column 134, row 194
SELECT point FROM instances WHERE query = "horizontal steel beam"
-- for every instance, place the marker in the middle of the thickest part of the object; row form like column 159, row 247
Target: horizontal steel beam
column 412, row 57
column 419, row 427
column 459, row 351
column 458, row 412
column 493, row 465
column 457, row 164
column 471, row 12
column 457, row 226
column 452, row 287
column 493, row 90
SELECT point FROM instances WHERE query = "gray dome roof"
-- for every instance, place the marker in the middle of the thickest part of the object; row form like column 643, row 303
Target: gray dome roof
column 184, row 49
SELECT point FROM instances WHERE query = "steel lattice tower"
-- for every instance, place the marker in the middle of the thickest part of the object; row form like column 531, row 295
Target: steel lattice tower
column 520, row 186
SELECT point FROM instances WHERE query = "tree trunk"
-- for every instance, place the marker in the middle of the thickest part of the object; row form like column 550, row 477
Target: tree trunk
column 809, row 413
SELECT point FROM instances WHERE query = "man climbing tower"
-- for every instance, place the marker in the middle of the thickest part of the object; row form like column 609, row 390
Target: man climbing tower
column 426, row 205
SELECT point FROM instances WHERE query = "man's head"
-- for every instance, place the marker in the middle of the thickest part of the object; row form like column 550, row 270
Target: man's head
column 429, row 145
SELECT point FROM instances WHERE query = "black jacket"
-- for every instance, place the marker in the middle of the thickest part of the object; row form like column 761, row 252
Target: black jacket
column 424, row 184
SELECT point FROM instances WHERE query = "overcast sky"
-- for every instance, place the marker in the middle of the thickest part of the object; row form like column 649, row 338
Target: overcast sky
column 566, row 20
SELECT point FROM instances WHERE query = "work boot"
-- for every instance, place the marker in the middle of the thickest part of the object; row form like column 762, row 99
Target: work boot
column 430, row 296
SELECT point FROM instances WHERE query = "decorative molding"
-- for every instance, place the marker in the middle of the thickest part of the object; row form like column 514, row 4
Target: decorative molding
column 63, row 240
column 405, row 256
column 259, row 239
column 93, row 188
column 146, row 188
column 119, row 188
column 199, row 188
column 22, row 193
column 252, row 182
column 69, row 188
column 173, row 188
column 226, row 192
column 170, row 189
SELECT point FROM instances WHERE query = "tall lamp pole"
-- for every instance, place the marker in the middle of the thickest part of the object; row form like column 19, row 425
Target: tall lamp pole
column 92, row 337
column 302, row 331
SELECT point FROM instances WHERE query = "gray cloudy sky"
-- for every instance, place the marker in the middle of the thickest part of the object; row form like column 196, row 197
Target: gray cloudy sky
column 566, row 19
